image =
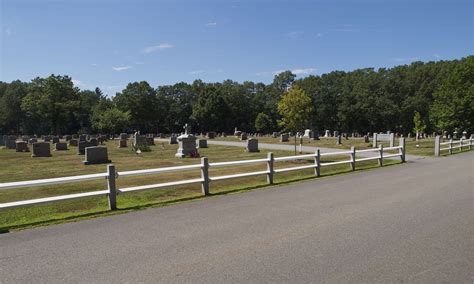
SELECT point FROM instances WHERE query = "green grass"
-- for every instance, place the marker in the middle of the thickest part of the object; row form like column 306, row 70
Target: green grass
column 20, row 166
column 425, row 147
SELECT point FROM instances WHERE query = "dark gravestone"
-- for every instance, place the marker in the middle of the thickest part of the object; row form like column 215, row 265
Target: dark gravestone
column 202, row 143
column 41, row 149
column 32, row 140
column 93, row 142
column 123, row 136
column 2, row 140
column 252, row 145
column 243, row 136
column 173, row 140
column 22, row 146
column 338, row 140
column 366, row 139
column 55, row 139
column 73, row 142
column 187, row 146
column 96, row 155
column 81, row 147
column 284, row 137
column 47, row 138
column 211, row 135
column 10, row 142
column 82, row 137
column 61, row 146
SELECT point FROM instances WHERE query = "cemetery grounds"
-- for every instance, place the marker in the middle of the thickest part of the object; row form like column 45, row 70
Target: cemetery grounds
column 16, row 166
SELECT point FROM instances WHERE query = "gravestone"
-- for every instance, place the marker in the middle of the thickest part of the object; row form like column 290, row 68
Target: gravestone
column 2, row 140
column 211, row 135
column 93, row 142
column 336, row 133
column 123, row 136
column 202, row 143
column 101, row 139
column 55, row 139
column 25, row 138
column 139, row 140
column 41, row 149
column 122, row 143
column 96, row 155
column 75, row 136
column 73, row 142
column 61, row 146
column 173, row 140
column 308, row 133
column 275, row 134
column 243, row 136
column 81, row 147
column 82, row 137
column 10, row 142
column 150, row 141
column 47, row 138
column 68, row 137
column 252, row 145
column 383, row 137
column 187, row 144
column 326, row 134
column 32, row 140
column 284, row 137
column 22, row 146
column 338, row 140
column 315, row 135
column 366, row 139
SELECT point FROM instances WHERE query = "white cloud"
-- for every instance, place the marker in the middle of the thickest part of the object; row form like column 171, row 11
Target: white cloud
column 196, row 72
column 295, row 34
column 159, row 47
column 211, row 24
column 121, row 68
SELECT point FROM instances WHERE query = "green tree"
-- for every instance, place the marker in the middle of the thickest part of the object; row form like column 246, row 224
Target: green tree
column 263, row 123
column 112, row 120
column 420, row 125
column 295, row 108
column 453, row 105
column 50, row 103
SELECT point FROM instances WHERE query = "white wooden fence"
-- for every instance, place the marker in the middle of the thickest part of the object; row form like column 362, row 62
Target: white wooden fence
column 452, row 145
column 111, row 175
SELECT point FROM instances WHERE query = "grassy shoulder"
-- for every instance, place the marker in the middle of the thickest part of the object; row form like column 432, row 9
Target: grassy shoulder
column 20, row 166
column 423, row 147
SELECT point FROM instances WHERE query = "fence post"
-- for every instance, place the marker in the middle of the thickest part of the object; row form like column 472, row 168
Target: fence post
column 470, row 143
column 270, row 168
column 111, row 187
column 381, row 155
column 374, row 142
column 461, row 144
column 317, row 162
column 437, row 147
column 353, row 158
column 205, row 176
column 450, row 146
column 402, row 152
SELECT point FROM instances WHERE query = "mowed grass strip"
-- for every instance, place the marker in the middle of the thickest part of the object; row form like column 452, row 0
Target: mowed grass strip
column 20, row 166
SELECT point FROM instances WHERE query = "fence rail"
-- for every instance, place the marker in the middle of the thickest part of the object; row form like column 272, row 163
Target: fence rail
column 452, row 144
column 111, row 175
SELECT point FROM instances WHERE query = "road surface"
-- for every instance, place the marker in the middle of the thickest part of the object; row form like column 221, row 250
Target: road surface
column 404, row 223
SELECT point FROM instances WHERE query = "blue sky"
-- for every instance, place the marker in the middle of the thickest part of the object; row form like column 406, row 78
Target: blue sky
column 110, row 43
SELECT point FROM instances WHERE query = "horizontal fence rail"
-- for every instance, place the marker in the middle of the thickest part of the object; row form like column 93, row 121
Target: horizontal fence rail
column 112, row 175
column 452, row 144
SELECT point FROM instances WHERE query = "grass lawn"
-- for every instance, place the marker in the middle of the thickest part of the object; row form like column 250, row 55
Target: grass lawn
column 20, row 166
column 425, row 146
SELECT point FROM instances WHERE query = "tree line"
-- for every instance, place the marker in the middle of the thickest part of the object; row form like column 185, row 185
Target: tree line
column 363, row 100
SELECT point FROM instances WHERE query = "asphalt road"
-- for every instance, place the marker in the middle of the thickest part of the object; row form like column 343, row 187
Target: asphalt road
column 405, row 223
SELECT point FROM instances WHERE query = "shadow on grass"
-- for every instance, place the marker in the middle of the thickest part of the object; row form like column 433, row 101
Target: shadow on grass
column 106, row 212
